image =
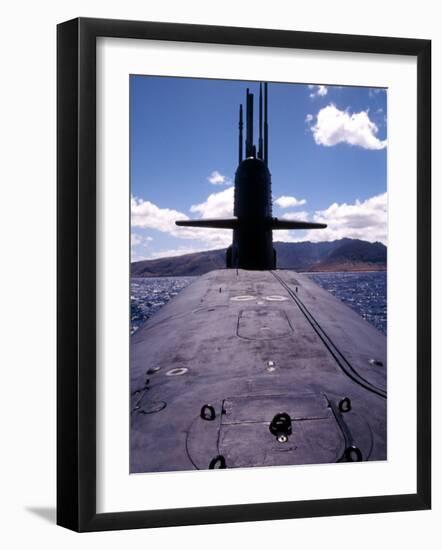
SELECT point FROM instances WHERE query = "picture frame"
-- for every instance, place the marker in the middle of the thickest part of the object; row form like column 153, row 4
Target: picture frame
column 77, row 251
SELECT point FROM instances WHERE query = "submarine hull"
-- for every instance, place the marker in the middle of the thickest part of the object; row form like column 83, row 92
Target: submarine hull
column 213, row 369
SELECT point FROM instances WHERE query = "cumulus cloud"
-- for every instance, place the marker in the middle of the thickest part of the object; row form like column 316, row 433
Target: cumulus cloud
column 137, row 239
column 217, row 205
column 138, row 244
column 309, row 118
column 301, row 216
column 147, row 215
column 318, row 90
column 285, row 201
column 365, row 220
column 216, row 178
column 334, row 126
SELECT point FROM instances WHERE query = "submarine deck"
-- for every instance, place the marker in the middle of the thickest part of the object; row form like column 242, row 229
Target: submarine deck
column 251, row 345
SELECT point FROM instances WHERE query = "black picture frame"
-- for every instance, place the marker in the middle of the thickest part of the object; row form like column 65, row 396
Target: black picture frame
column 76, row 274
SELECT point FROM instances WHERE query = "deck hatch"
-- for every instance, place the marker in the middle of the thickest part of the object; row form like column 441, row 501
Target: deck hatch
column 263, row 324
column 245, row 439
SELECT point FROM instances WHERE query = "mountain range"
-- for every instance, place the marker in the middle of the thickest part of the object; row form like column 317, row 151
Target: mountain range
column 339, row 255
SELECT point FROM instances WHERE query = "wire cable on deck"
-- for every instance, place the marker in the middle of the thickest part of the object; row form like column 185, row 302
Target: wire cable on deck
column 329, row 344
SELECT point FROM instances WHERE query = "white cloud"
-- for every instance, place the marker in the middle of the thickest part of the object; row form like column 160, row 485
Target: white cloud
column 285, row 201
column 365, row 220
column 138, row 244
column 309, row 118
column 334, row 126
column 318, row 90
column 147, row 215
column 136, row 239
column 216, row 178
column 285, row 236
column 296, row 216
column 217, row 205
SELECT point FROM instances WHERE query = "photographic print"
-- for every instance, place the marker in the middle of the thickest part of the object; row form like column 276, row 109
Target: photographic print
column 258, row 293
column 222, row 235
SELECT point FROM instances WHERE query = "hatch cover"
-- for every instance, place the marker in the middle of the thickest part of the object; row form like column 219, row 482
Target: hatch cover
column 277, row 430
column 245, row 439
column 263, row 324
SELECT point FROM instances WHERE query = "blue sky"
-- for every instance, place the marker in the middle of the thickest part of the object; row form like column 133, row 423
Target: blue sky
column 327, row 157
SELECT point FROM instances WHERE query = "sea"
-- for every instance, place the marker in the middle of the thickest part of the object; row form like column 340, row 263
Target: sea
column 148, row 295
column 365, row 292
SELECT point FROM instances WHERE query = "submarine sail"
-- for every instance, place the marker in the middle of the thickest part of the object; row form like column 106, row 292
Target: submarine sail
column 252, row 223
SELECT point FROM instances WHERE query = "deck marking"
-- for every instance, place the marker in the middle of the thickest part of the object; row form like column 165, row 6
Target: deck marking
column 275, row 298
column 177, row 372
column 244, row 298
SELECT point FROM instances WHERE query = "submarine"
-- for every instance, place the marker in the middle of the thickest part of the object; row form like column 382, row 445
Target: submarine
column 253, row 366
column 252, row 224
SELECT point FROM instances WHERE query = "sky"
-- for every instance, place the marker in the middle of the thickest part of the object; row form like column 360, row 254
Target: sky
column 327, row 158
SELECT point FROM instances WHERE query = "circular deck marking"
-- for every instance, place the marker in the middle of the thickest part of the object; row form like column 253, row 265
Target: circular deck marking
column 275, row 298
column 244, row 298
column 177, row 372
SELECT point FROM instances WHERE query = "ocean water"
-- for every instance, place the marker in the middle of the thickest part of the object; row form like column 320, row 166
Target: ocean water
column 365, row 292
column 148, row 295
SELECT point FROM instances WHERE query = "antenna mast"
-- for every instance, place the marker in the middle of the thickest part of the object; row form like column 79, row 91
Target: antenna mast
column 240, row 135
column 266, row 127
column 260, row 150
column 249, row 140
